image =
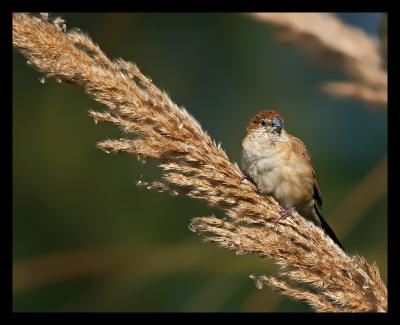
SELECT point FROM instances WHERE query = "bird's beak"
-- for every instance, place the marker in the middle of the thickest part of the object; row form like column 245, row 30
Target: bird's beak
column 277, row 124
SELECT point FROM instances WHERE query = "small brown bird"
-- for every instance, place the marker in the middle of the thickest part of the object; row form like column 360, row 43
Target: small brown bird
column 280, row 165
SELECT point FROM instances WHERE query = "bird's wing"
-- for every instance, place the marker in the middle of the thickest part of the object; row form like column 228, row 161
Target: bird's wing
column 299, row 147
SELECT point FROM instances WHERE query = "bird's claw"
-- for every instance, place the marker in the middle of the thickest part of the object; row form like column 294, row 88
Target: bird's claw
column 284, row 213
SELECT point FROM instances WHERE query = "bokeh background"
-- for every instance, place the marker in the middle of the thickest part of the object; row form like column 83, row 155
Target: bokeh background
column 85, row 238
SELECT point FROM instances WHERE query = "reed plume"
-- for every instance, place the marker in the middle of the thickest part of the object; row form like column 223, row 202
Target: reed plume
column 358, row 55
column 313, row 268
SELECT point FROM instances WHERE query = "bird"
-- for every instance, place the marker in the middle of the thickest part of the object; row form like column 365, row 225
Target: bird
column 279, row 164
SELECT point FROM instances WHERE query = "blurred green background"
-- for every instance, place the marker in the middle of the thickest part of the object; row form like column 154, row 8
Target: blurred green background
column 85, row 238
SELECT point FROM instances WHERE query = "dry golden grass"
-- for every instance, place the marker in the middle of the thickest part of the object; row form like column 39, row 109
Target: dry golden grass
column 313, row 268
column 358, row 55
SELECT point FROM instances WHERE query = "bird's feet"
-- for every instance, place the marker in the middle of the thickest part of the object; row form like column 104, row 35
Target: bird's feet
column 244, row 177
column 284, row 213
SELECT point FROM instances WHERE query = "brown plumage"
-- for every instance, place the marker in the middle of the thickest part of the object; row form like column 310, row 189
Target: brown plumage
column 280, row 165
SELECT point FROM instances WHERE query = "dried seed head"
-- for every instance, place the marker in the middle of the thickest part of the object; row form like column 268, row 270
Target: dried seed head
column 195, row 166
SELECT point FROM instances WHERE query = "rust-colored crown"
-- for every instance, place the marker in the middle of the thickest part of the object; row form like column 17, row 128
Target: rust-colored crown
column 263, row 115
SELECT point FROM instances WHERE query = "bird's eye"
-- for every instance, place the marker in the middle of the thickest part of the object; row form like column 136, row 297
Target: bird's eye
column 263, row 123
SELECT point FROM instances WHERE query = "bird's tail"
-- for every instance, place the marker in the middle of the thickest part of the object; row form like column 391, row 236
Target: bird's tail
column 328, row 230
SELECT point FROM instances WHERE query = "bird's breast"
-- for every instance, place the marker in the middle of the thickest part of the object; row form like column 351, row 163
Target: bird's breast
column 278, row 171
column 264, row 163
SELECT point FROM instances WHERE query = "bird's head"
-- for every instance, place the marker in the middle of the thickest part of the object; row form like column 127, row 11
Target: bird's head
column 268, row 121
